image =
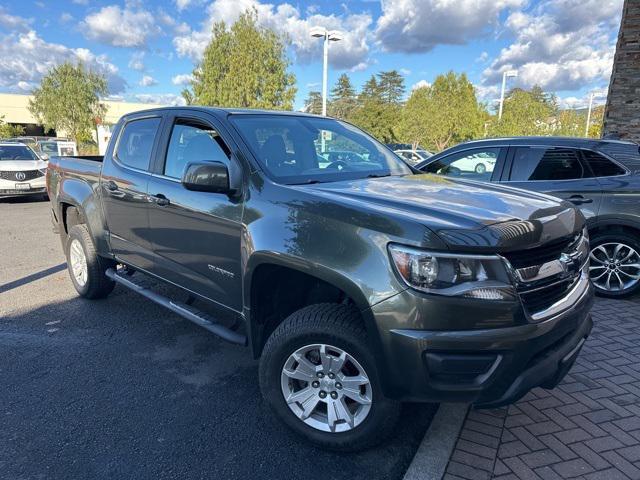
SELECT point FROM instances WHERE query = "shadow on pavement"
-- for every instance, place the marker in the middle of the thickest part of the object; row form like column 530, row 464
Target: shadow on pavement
column 32, row 278
column 120, row 388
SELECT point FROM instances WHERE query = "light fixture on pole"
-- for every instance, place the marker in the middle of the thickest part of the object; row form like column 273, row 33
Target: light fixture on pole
column 328, row 36
column 505, row 74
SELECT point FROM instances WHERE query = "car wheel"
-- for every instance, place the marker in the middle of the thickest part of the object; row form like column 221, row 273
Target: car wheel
column 318, row 375
column 86, row 267
column 615, row 264
column 481, row 168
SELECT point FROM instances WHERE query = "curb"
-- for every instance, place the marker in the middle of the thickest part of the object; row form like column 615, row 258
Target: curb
column 432, row 457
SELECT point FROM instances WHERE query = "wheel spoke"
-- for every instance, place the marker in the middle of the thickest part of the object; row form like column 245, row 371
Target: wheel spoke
column 356, row 396
column 337, row 411
column 634, row 277
column 354, row 382
column 616, row 250
column 603, row 250
column 594, row 258
column 331, row 363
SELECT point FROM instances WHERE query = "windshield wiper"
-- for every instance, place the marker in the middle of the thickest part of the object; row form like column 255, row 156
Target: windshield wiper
column 378, row 175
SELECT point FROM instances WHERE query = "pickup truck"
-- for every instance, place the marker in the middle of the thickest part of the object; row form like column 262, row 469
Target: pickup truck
column 359, row 283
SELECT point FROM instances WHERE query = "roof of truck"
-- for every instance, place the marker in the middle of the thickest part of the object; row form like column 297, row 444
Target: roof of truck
column 219, row 111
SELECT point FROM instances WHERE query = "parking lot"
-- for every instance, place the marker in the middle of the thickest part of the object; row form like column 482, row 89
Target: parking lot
column 121, row 388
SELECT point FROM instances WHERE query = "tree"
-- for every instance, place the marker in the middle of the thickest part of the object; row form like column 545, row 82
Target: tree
column 595, row 125
column 370, row 90
column 313, row 103
column 245, row 65
column 525, row 113
column 343, row 98
column 8, row 131
column 377, row 118
column 445, row 113
column 391, row 87
column 68, row 99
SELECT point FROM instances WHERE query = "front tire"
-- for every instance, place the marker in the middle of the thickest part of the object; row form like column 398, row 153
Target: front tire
column 318, row 375
column 615, row 264
column 86, row 268
column 481, row 168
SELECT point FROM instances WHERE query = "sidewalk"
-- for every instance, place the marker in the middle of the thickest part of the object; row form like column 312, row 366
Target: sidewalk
column 588, row 427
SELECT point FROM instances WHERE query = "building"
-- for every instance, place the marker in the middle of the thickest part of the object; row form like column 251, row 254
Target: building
column 622, row 113
column 14, row 109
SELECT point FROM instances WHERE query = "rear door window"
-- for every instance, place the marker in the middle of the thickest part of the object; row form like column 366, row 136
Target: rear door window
column 476, row 164
column 136, row 142
column 601, row 165
column 531, row 164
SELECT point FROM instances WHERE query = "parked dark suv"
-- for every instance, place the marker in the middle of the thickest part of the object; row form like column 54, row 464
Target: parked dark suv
column 599, row 176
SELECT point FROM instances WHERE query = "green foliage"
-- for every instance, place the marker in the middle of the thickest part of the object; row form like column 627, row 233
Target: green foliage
column 370, row 90
column 443, row 114
column 525, row 113
column 391, row 87
column 343, row 98
column 378, row 118
column 8, row 131
column 595, row 125
column 68, row 99
column 244, row 66
column 569, row 123
column 313, row 103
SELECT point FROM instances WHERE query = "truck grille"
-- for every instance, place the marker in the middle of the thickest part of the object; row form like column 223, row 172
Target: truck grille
column 28, row 175
column 542, row 254
column 543, row 297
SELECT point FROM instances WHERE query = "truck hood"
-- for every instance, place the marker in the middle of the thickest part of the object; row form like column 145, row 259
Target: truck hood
column 463, row 213
column 21, row 165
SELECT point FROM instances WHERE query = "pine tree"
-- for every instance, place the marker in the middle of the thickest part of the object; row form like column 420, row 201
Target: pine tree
column 343, row 98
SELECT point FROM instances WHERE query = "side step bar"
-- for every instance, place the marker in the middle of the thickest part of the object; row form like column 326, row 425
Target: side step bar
column 185, row 311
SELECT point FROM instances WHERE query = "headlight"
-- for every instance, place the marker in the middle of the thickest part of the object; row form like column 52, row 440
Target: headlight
column 474, row 276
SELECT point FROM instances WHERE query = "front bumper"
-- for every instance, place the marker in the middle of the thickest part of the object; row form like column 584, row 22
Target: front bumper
column 33, row 186
column 488, row 367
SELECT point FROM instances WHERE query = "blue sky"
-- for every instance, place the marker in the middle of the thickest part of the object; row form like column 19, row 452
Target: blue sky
column 148, row 49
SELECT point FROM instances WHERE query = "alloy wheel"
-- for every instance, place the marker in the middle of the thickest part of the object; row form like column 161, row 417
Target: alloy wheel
column 615, row 267
column 78, row 261
column 326, row 388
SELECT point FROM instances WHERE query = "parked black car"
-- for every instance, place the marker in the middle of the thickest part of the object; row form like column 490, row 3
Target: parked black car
column 600, row 176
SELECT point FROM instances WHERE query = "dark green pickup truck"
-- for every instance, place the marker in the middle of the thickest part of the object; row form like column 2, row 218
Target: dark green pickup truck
column 359, row 282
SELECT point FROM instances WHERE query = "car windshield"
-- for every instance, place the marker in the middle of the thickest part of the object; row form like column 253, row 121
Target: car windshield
column 298, row 149
column 16, row 152
column 50, row 148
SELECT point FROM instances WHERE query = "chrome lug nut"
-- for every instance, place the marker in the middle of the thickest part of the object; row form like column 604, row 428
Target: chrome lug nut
column 315, row 384
column 320, row 375
column 334, row 395
column 331, row 376
column 323, row 394
column 338, row 385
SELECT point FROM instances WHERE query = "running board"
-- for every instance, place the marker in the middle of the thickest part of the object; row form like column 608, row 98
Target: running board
column 185, row 311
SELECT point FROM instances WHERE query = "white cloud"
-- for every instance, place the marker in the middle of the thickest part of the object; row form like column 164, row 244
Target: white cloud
column 487, row 94
column 560, row 45
column 137, row 61
column 414, row 26
column 25, row 58
column 66, row 17
column 182, row 79
column 161, row 99
column 147, row 81
column 405, row 71
column 183, row 4
column 80, row 2
column 352, row 51
column 119, row 27
column 420, row 84
column 573, row 102
column 483, row 57
column 14, row 23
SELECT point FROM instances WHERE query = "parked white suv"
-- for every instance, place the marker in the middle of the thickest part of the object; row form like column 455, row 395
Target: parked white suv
column 22, row 172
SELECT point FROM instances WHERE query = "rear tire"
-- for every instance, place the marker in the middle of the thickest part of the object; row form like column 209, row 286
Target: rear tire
column 606, row 250
column 86, row 268
column 338, row 353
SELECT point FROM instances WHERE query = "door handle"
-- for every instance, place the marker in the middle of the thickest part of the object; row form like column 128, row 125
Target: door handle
column 160, row 200
column 579, row 199
column 111, row 186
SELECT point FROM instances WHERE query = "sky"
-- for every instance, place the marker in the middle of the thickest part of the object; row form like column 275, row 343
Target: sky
column 148, row 49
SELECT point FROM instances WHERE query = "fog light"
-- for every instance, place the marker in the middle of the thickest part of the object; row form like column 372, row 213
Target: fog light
column 489, row 294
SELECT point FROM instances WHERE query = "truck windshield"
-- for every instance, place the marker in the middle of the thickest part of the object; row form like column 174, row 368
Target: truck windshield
column 298, row 149
column 16, row 152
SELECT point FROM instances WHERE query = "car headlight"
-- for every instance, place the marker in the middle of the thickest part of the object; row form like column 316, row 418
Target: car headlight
column 473, row 276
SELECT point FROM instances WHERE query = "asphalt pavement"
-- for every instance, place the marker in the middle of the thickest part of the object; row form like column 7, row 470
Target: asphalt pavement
column 121, row 388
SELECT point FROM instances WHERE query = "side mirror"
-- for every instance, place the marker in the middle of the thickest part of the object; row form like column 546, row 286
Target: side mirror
column 207, row 177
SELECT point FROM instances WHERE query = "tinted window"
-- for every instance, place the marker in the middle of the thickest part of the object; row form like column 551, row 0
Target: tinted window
column 192, row 142
column 17, row 152
column 136, row 142
column 602, row 166
column 546, row 164
column 477, row 164
column 298, row 149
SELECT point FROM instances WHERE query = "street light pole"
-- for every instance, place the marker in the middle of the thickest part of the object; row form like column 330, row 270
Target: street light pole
column 586, row 130
column 505, row 74
column 327, row 36
column 325, row 61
